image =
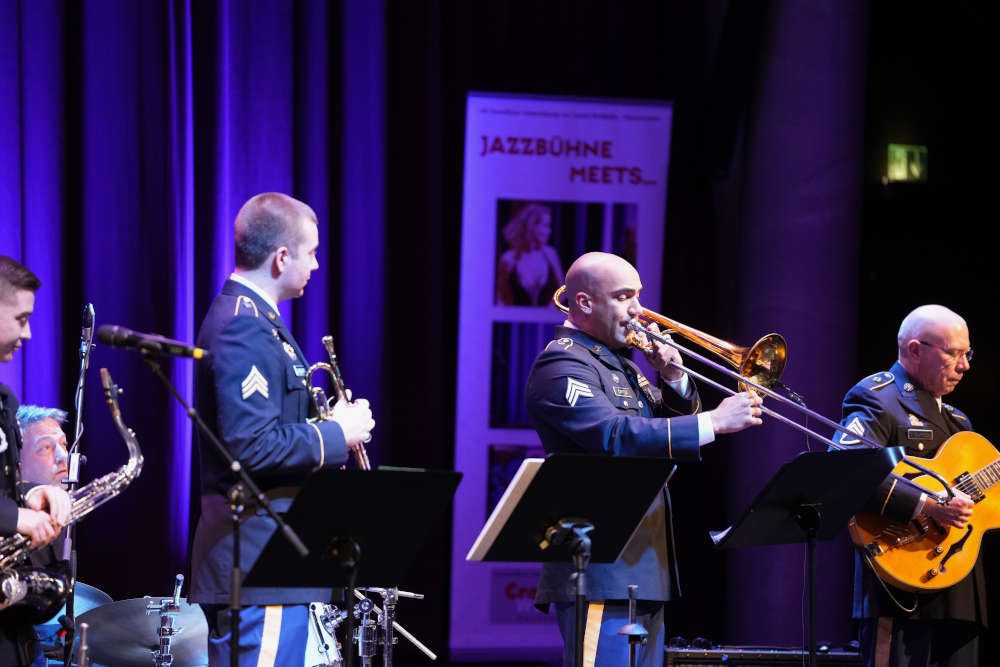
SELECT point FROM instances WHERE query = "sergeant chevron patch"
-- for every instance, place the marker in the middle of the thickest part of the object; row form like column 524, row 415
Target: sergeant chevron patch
column 254, row 383
column 855, row 426
column 575, row 389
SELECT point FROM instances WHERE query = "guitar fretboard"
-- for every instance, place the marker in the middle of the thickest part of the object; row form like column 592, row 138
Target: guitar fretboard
column 987, row 476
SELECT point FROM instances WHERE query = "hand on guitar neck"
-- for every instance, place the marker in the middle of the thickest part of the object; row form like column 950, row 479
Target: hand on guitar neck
column 956, row 512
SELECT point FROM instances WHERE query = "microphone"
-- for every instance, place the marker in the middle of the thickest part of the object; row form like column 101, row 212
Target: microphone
column 88, row 322
column 87, row 335
column 116, row 336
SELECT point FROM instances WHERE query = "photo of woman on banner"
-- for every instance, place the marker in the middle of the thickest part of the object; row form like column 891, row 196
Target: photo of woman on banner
column 529, row 271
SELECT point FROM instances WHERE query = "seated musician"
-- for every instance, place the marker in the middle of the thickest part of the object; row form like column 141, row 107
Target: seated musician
column 903, row 406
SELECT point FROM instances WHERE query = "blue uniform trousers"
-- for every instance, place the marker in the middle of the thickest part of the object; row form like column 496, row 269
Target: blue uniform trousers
column 269, row 636
column 602, row 645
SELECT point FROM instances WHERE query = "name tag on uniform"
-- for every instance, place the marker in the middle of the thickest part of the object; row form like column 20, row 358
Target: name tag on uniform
column 919, row 434
column 623, row 392
column 300, row 370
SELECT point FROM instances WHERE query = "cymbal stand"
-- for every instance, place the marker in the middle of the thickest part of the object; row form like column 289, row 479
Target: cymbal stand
column 390, row 597
column 83, row 650
column 167, row 608
column 365, row 632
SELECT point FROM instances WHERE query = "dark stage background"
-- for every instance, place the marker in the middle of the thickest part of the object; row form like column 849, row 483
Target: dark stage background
column 130, row 133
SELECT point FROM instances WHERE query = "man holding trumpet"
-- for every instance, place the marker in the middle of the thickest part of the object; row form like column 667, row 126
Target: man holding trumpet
column 585, row 395
column 252, row 392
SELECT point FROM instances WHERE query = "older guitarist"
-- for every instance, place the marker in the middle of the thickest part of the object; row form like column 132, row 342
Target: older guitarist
column 903, row 406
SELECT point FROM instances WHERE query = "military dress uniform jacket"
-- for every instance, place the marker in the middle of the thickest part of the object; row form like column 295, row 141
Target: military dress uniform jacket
column 585, row 398
column 10, row 444
column 892, row 409
column 252, row 392
column 17, row 638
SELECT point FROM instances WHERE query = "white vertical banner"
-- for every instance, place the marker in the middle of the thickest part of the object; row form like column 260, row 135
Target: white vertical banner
column 546, row 180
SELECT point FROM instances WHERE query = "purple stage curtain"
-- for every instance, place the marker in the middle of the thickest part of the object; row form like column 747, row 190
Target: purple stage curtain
column 132, row 133
column 797, row 243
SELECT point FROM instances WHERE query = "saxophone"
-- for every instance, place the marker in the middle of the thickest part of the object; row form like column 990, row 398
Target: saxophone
column 41, row 592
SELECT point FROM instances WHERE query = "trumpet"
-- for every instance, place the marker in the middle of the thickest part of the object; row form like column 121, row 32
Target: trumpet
column 324, row 410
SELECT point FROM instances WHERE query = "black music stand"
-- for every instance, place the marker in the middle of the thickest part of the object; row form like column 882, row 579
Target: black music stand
column 810, row 498
column 551, row 506
column 362, row 527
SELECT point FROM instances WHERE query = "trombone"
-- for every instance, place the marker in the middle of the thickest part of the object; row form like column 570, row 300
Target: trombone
column 758, row 368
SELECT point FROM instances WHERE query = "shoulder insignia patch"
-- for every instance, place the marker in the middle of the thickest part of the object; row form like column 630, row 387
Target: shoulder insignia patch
column 880, row 380
column 245, row 306
column 575, row 389
column 254, row 383
column 854, row 426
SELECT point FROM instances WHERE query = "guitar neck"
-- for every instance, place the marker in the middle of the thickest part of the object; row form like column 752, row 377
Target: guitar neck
column 985, row 478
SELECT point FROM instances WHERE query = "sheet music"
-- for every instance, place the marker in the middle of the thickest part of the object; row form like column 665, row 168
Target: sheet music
column 516, row 488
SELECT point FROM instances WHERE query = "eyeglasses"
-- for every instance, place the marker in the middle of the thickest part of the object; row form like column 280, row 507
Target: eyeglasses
column 954, row 354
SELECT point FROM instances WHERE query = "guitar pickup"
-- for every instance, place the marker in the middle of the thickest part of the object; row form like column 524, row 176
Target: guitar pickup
column 873, row 549
column 969, row 486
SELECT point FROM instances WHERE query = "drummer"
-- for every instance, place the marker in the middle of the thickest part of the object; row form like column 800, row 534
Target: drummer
column 44, row 455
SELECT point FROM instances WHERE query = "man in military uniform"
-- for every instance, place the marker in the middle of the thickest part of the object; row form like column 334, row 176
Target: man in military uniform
column 252, row 392
column 585, row 395
column 36, row 511
column 903, row 406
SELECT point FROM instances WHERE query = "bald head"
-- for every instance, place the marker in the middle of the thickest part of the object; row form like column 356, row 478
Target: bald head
column 927, row 321
column 934, row 348
column 602, row 291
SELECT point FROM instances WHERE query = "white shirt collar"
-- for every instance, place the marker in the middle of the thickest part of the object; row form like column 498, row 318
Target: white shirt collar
column 253, row 287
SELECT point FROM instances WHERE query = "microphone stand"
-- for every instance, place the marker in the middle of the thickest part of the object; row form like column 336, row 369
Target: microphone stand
column 237, row 496
column 73, row 469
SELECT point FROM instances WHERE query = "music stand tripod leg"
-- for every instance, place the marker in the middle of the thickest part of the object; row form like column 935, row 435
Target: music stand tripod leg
column 573, row 531
column 808, row 517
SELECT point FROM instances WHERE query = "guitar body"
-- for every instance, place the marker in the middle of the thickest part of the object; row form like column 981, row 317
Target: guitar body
column 922, row 556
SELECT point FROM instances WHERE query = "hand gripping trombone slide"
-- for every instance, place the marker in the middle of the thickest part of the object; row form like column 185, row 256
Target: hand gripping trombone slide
column 324, row 412
column 44, row 590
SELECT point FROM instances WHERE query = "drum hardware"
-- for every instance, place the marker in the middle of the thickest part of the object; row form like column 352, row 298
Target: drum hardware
column 365, row 634
column 167, row 608
column 326, row 619
column 141, row 631
column 83, row 651
column 324, row 409
column 387, row 621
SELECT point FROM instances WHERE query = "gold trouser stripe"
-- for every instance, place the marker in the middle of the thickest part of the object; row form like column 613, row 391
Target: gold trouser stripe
column 592, row 633
column 883, row 642
column 670, row 444
column 269, row 636
column 887, row 496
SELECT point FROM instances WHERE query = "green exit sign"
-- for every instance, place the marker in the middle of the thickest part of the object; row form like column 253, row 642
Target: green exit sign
column 906, row 163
